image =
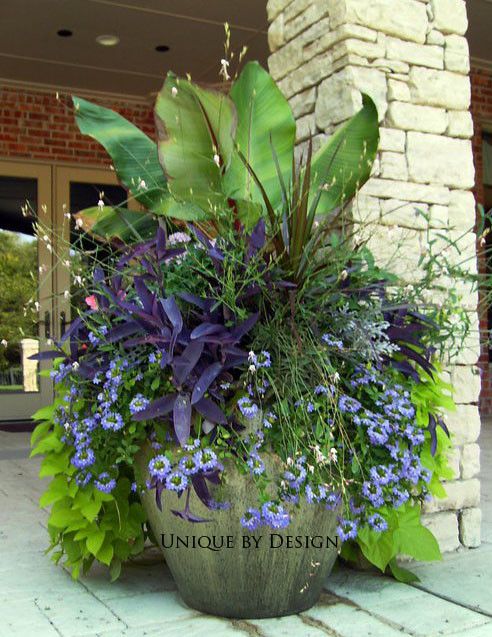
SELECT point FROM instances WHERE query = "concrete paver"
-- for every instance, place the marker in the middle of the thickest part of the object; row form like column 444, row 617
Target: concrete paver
column 38, row 598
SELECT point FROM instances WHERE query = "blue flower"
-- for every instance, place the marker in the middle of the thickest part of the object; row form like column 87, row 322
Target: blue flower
column 274, row 515
column 189, row 465
column 331, row 341
column 347, row 529
column 349, row 405
column 251, row 520
column 104, row 483
column 399, row 497
column 263, row 359
column 176, row 481
column 333, row 501
column 247, row 407
column 159, row 467
column 382, row 474
column 255, row 463
column 138, row 403
column 112, row 421
column 82, row 478
column 83, row 458
column 373, row 493
column 206, row 459
column 315, row 494
column 377, row 522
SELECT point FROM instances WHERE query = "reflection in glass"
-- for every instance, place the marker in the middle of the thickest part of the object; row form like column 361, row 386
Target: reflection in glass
column 19, row 332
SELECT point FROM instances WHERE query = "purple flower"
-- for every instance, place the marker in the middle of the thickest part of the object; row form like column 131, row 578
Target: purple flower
column 251, row 520
column 104, row 483
column 189, row 465
column 159, row 467
column 206, row 459
column 354, row 509
column 315, row 494
column 82, row 478
column 263, row 359
column 377, row 433
column 382, row 474
column 310, row 408
column 176, row 481
column 377, row 522
column 255, row 463
column 333, row 501
column 346, row 529
column 274, row 515
column 331, row 341
column 399, row 497
column 83, row 458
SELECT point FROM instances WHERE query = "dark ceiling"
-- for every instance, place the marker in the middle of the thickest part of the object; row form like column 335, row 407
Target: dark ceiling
column 31, row 51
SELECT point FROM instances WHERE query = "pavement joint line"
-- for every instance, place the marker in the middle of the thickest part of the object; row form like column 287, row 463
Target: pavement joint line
column 447, row 598
column 247, row 627
column 388, row 622
column 460, row 632
column 317, row 623
column 35, row 600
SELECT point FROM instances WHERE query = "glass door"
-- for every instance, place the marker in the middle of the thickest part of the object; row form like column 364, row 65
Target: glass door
column 26, row 288
column 75, row 189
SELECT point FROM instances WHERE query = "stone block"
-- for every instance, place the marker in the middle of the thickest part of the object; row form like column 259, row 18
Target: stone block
column 427, row 119
column 450, row 16
column 470, row 527
column 406, row 191
column 276, row 36
column 365, row 210
column 466, row 383
column 444, row 526
column 313, row 14
column 434, row 159
column 460, row 124
column 391, row 139
column 428, row 55
column 285, row 60
column 393, row 166
column 461, row 494
column 398, row 91
column 305, row 127
column 462, row 209
column 406, row 19
column 339, row 96
column 439, row 88
column 435, row 37
column 457, row 54
column 304, row 102
column 274, row 7
column 438, row 216
column 470, row 461
column 464, row 424
column 395, row 212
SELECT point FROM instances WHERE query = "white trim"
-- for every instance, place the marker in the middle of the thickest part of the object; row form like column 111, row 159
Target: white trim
column 481, row 63
column 41, row 87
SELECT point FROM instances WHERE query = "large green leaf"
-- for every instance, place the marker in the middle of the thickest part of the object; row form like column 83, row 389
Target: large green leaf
column 134, row 154
column 196, row 132
column 344, row 163
column 109, row 223
column 265, row 125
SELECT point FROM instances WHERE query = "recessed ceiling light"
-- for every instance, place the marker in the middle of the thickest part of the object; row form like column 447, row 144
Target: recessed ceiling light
column 107, row 40
column 162, row 48
column 64, row 33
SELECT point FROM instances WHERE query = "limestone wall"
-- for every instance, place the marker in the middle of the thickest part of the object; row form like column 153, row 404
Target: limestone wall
column 412, row 58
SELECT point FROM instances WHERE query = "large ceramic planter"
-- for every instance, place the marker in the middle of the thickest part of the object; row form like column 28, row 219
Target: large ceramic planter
column 222, row 569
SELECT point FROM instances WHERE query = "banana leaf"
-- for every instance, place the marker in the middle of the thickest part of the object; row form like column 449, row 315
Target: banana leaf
column 266, row 127
column 110, row 223
column 196, row 130
column 134, row 155
column 343, row 164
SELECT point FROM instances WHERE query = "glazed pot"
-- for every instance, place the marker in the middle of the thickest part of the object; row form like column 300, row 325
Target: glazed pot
column 222, row 569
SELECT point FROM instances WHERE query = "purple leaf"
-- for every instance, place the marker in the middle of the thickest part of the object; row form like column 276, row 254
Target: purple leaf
column 193, row 299
column 243, row 328
column 209, row 410
column 182, row 418
column 187, row 515
column 121, row 331
column 159, row 407
column 206, row 379
column 184, row 364
column 205, row 329
column 161, row 242
column 46, row 356
column 144, row 294
column 74, row 327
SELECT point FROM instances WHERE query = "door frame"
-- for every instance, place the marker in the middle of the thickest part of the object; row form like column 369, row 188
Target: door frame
column 19, row 406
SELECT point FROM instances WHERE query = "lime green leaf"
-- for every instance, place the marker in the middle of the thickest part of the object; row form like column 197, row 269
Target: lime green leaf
column 49, row 443
column 45, row 413
column 134, row 154
column 195, row 125
column 418, row 542
column 95, row 541
column 115, row 569
column 57, row 489
column 402, row 574
column 39, row 432
column 63, row 517
column 264, row 120
column 54, row 464
column 378, row 548
column 105, row 554
column 344, row 163
column 91, row 509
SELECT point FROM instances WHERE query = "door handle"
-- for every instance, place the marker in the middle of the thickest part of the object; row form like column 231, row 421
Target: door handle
column 47, row 325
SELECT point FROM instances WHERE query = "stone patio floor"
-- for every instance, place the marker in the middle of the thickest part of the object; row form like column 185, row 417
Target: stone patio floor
column 39, row 599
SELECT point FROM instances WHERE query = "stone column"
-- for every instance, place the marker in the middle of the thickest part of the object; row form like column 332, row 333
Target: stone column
column 29, row 347
column 412, row 58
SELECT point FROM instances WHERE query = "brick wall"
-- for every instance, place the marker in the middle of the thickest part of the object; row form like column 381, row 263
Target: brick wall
column 481, row 108
column 35, row 125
